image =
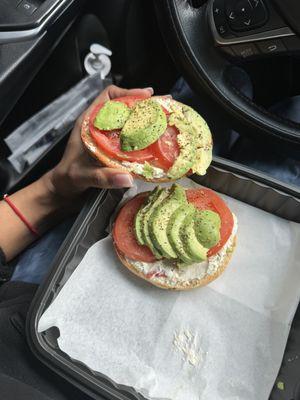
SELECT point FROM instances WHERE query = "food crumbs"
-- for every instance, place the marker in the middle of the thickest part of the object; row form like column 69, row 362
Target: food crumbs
column 280, row 385
column 293, row 359
column 186, row 343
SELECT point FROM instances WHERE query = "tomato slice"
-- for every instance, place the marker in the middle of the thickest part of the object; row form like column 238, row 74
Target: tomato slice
column 206, row 199
column 110, row 144
column 123, row 232
column 166, row 149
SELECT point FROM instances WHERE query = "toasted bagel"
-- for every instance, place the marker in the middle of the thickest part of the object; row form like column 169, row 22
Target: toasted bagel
column 106, row 160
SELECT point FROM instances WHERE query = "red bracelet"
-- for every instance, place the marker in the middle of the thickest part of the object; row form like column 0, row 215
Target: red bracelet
column 20, row 215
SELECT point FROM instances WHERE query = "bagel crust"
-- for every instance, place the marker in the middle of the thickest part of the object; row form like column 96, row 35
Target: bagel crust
column 105, row 160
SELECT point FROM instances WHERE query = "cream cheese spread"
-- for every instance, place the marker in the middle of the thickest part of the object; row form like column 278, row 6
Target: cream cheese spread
column 138, row 168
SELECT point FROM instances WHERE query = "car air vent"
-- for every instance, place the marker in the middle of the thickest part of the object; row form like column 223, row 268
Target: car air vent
column 197, row 3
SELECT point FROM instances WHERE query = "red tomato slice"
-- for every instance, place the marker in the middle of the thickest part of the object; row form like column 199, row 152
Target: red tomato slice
column 110, row 144
column 206, row 199
column 166, row 149
column 123, row 232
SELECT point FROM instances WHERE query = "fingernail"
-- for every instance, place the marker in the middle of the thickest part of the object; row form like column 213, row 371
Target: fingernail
column 122, row 180
column 150, row 89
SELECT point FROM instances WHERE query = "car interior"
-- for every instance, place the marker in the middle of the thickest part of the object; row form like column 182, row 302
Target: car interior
column 43, row 45
column 234, row 61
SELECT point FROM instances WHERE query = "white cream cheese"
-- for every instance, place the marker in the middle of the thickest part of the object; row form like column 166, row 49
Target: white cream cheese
column 138, row 168
column 172, row 275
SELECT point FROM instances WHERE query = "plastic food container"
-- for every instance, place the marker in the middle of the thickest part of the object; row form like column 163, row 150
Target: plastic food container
column 229, row 178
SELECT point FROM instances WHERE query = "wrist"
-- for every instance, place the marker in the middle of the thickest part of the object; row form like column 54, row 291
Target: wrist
column 49, row 191
column 58, row 193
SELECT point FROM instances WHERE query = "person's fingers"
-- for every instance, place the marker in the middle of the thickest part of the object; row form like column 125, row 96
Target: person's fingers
column 110, row 178
column 142, row 91
column 112, row 92
column 167, row 96
column 115, row 91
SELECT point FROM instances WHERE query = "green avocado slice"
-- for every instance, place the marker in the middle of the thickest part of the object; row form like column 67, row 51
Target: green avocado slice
column 147, row 122
column 207, row 228
column 145, row 234
column 138, row 221
column 174, row 227
column 203, row 141
column 112, row 115
column 190, row 242
column 194, row 139
column 159, row 221
column 187, row 144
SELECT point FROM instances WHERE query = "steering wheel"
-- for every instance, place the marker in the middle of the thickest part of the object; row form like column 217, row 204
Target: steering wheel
column 205, row 41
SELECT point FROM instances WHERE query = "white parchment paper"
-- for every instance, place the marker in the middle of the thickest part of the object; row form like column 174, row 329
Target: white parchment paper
column 223, row 341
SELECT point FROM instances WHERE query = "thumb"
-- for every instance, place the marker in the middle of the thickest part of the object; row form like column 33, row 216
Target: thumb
column 110, row 178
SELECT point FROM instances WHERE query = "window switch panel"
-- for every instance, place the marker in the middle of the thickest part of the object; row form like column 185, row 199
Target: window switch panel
column 27, row 7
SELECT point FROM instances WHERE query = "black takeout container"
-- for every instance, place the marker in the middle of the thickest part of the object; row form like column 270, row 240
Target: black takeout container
column 232, row 179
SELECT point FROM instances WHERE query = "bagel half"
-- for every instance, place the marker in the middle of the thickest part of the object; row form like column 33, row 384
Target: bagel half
column 107, row 161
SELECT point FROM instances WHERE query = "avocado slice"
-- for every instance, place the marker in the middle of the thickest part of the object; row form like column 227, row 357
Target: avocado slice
column 207, row 228
column 147, row 122
column 203, row 141
column 190, row 242
column 159, row 221
column 173, row 230
column 187, row 144
column 112, row 115
column 145, row 234
column 138, row 221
